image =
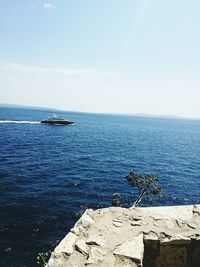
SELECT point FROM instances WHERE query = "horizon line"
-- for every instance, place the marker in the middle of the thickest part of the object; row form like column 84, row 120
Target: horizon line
column 137, row 114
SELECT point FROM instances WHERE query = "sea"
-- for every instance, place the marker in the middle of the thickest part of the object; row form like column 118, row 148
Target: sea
column 49, row 174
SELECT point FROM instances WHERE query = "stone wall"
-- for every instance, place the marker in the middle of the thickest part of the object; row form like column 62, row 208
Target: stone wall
column 149, row 237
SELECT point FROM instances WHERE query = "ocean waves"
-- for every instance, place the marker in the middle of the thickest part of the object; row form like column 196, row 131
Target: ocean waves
column 20, row 122
column 48, row 173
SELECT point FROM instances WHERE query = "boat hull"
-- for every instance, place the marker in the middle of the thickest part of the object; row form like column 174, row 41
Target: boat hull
column 54, row 122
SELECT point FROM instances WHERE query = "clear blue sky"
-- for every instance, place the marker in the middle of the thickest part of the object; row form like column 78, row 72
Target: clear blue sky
column 124, row 56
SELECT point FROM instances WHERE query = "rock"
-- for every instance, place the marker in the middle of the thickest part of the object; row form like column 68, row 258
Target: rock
column 155, row 224
column 192, row 225
column 117, row 220
column 96, row 255
column 90, row 212
column 118, row 224
column 194, row 237
column 156, row 218
column 151, row 237
column 136, row 218
column 124, row 262
column 75, row 231
column 81, row 229
column 86, row 220
column 175, row 240
column 196, row 209
column 67, row 244
column 163, row 235
column 181, row 212
column 98, row 241
column 137, row 223
column 82, row 247
column 133, row 249
column 50, row 262
column 108, row 261
column 75, row 260
column 57, row 260
column 180, row 223
column 168, row 223
column 95, row 240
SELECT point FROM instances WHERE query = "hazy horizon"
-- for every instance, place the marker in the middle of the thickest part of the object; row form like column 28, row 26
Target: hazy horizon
column 139, row 114
column 110, row 57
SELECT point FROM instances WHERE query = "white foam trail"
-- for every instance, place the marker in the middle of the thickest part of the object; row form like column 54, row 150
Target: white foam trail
column 19, row 122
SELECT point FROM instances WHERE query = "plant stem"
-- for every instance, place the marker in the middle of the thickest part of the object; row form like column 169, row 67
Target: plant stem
column 139, row 198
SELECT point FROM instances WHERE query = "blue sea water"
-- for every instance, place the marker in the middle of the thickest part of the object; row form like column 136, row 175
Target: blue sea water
column 48, row 172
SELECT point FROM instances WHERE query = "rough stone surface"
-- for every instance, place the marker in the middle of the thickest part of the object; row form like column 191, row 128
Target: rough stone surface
column 75, row 260
column 132, row 249
column 109, row 260
column 95, row 240
column 180, row 223
column 124, row 261
column 120, row 237
column 82, row 247
column 97, row 255
column 66, row 245
column 118, row 224
column 151, row 237
column 176, row 240
column 86, row 220
column 192, row 225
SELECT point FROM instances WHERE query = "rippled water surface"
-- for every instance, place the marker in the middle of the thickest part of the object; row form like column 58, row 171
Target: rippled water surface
column 48, row 172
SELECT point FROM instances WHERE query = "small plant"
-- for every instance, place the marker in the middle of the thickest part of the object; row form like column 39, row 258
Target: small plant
column 116, row 200
column 147, row 186
column 40, row 259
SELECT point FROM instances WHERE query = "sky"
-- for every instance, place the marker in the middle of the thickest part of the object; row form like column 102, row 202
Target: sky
column 104, row 56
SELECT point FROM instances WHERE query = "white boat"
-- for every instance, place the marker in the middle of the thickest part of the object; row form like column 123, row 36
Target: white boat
column 54, row 119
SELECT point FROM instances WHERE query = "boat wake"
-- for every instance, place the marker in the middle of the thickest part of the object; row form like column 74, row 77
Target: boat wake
column 20, row 122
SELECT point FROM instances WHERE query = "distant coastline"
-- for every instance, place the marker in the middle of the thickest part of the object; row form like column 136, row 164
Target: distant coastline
column 142, row 115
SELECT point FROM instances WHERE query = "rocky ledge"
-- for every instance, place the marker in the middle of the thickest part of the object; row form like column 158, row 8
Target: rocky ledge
column 114, row 237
